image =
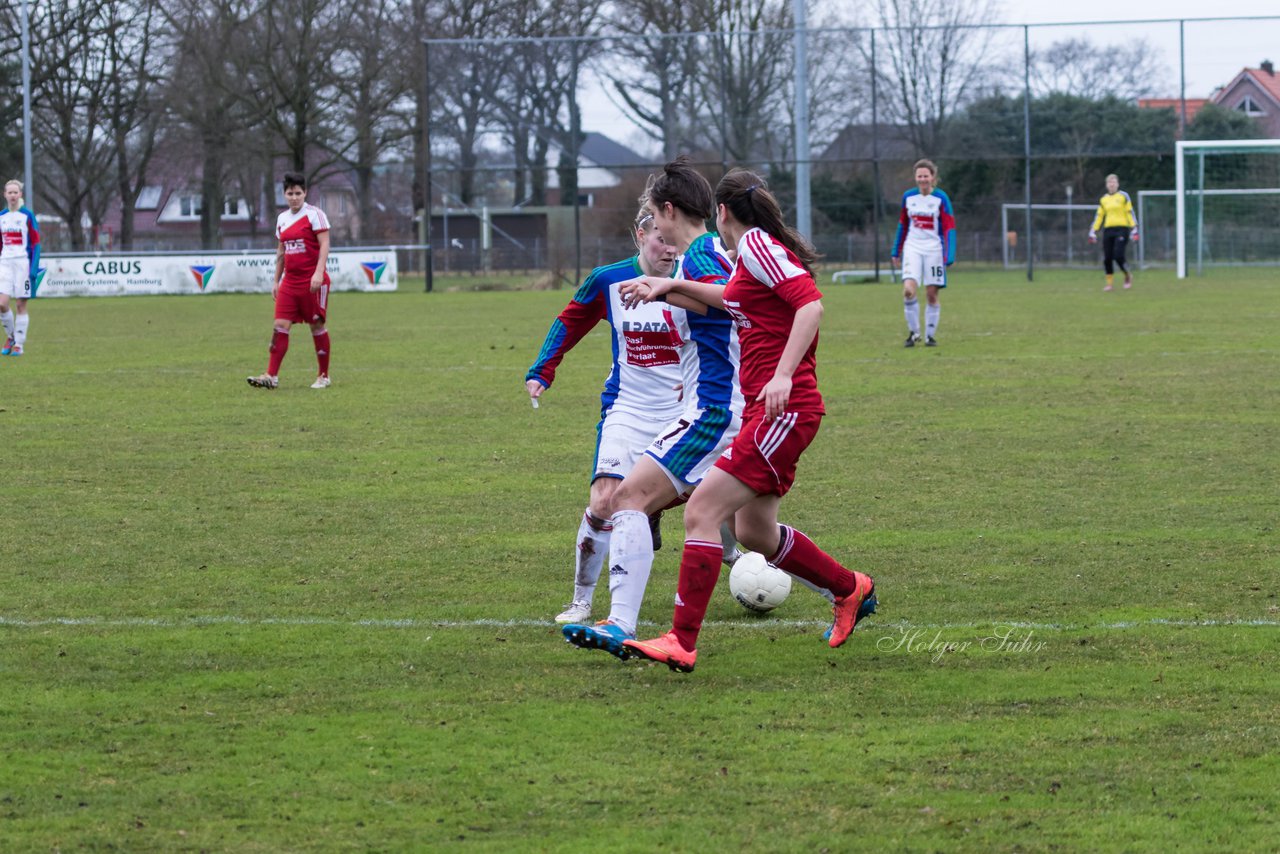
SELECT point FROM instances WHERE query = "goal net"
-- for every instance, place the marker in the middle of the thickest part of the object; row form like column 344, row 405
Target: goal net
column 1059, row 234
column 1227, row 203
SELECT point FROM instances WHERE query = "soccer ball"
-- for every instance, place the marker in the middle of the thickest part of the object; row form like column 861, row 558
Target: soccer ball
column 757, row 584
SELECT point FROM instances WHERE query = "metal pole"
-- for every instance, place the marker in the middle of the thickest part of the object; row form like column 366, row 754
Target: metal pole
column 426, row 143
column 724, row 86
column 27, row 187
column 875, row 155
column 1070, row 190
column 575, row 132
column 1182, row 86
column 1200, row 219
column 804, row 221
column 1004, row 234
column 1026, row 144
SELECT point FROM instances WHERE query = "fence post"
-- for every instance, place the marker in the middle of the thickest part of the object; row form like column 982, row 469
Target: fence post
column 1026, row 142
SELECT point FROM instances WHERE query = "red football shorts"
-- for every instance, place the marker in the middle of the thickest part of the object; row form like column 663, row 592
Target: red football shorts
column 765, row 453
column 302, row 306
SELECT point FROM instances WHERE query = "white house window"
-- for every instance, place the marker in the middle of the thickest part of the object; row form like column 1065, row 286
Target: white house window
column 1250, row 107
column 189, row 207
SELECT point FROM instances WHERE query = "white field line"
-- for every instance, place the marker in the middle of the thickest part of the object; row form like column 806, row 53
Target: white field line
column 220, row 620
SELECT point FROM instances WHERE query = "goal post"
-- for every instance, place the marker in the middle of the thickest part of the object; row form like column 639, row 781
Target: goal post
column 1059, row 232
column 1226, row 191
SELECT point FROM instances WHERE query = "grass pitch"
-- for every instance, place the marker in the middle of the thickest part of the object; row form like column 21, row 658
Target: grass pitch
column 239, row 620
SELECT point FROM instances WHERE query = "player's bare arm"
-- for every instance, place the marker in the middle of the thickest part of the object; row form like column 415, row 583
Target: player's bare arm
column 777, row 392
column 699, row 295
column 317, row 278
column 279, row 270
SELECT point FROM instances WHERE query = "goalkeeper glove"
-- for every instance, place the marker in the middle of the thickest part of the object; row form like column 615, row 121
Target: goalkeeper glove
column 1133, row 235
column 1093, row 236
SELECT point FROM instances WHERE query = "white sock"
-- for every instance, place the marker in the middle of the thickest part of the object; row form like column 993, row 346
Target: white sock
column 20, row 324
column 592, row 549
column 7, row 319
column 731, row 550
column 931, row 315
column 911, row 307
column 821, row 591
column 630, row 561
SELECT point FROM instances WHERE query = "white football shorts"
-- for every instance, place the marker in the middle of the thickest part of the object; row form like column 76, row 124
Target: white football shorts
column 926, row 268
column 15, row 277
column 688, row 448
column 620, row 440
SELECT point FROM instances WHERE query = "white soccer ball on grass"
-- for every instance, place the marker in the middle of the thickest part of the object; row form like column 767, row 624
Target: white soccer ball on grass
column 757, row 584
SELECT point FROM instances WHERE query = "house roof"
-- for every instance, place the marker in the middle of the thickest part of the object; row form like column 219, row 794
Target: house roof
column 1267, row 81
column 603, row 151
column 863, row 141
column 1175, row 104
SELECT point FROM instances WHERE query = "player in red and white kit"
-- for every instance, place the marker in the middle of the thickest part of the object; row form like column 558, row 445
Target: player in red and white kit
column 777, row 308
column 301, row 283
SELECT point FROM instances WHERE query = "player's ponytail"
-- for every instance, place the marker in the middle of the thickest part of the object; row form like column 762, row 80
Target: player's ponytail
column 746, row 195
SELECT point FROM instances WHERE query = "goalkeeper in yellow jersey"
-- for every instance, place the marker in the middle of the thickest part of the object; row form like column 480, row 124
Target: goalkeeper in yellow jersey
column 1119, row 226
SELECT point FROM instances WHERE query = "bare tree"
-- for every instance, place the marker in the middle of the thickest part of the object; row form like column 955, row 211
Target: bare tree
column 654, row 69
column 204, row 96
column 133, row 112
column 467, row 80
column 839, row 83
column 933, row 54
column 748, row 80
column 293, row 77
column 70, row 76
column 1079, row 67
column 371, row 82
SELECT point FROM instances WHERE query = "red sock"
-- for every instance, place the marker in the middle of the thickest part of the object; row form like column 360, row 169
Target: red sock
column 699, row 571
column 322, row 351
column 279, row 346
column 798, row 555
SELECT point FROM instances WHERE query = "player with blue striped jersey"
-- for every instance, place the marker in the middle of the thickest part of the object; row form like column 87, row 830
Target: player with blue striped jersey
column 926, row 244
column 681, row 201
column 19, row 267
column 641, row 393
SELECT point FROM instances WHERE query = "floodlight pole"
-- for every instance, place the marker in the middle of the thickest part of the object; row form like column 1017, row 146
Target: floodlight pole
column 1026, row 144
column 27, row 186
column 804, row 221
column 427, row 260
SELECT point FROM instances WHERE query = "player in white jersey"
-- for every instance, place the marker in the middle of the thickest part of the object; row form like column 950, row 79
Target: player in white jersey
column 926, row 244
column 19, row 267
column 641, row 393
column 681, row 201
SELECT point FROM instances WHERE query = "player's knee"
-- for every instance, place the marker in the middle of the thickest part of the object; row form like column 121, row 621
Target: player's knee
column 627, row 497
column 600, row 504
column 698, row 516
column 757, row 538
